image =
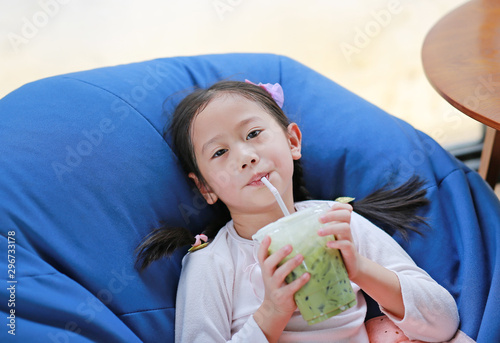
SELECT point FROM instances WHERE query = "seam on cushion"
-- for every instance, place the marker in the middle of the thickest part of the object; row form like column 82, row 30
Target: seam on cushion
column 446, row 176
column 39, row 275
column 19, row 246
column 468, row 171
column 118, row 97
column 438, row 184
column 150, row 310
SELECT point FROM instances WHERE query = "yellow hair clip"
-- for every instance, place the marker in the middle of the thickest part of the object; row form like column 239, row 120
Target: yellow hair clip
column 198, row 245
column 345, row 200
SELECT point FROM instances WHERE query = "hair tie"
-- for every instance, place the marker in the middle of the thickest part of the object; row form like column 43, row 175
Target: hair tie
column 275, row 91
column 197, row 245
column 200, row 238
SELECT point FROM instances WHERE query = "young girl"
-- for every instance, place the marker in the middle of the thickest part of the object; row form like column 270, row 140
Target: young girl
column 227, row 138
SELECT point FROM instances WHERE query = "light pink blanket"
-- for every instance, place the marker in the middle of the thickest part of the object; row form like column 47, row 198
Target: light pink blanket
column 383, row 330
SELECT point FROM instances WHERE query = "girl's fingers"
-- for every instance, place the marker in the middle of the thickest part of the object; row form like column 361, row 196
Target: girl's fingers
column 270, row 262
column 273, row 259
column 337, row 222
column 341, row 231
column 298, row 283
column 337, row 214
column 276, row 290
column 349, row 255
column 287, row 267
column 282, row 272
column 339, row 205
column 346, row 247
column 263, row 251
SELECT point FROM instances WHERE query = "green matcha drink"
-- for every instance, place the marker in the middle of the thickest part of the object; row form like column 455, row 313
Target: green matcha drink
column 329, row 290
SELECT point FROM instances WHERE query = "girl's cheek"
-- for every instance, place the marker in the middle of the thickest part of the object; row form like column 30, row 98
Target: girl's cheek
column 221, row 178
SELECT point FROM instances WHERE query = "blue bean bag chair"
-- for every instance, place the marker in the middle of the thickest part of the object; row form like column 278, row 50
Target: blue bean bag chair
column 85, row 175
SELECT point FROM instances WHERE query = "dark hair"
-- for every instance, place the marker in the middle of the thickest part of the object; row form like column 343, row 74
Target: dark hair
column 393, row 209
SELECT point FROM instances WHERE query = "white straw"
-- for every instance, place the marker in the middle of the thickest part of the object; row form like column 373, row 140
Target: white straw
column 276, row 195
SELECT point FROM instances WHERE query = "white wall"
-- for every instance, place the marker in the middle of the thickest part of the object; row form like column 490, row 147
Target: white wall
column 371, row 47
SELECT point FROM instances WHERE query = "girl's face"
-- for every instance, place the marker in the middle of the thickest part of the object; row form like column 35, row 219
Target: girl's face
column 236, row 142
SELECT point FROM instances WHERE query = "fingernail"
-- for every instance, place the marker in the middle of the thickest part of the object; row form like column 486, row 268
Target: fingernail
column 321, row 232
column 299, row 257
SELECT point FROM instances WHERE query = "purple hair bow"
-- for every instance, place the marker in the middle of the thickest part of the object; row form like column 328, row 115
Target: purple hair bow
column 275, row 90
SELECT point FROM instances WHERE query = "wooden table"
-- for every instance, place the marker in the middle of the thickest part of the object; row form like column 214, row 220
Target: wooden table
column 461, row 59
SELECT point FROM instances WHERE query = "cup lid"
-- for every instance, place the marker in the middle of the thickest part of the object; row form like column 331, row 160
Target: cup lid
column 272, row 227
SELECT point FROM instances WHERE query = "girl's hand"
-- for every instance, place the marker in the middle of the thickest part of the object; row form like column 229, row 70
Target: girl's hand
column 378, row 282
column 338, row 223
column 279, row 304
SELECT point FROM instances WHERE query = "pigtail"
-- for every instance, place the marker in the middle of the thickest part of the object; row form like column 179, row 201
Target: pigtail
column 391, row 209
column 160, row 243
column 395, row 209
column 165, row 240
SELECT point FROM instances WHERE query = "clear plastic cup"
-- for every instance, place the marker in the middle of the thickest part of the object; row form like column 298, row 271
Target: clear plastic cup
column 329, row 291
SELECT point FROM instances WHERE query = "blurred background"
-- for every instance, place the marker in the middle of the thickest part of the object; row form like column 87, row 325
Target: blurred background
column 371, row 47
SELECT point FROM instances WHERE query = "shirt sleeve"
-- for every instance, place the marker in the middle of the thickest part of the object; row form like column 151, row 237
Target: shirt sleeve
column 430, row 311
column 204, row 302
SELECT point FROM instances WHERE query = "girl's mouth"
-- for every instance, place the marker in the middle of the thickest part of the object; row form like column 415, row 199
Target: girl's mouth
column 255, row 181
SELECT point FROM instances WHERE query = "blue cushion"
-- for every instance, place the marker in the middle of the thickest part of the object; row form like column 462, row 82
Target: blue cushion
column 86, row 174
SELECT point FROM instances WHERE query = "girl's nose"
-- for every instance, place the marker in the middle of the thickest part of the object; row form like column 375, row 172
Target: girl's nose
column 243, row 166
column 248, row 158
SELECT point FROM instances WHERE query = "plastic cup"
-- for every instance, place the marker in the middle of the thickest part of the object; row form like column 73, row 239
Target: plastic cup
column 329, row 291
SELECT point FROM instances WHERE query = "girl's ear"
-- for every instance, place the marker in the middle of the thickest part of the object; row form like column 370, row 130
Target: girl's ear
column 295, row 140
column 210, row 197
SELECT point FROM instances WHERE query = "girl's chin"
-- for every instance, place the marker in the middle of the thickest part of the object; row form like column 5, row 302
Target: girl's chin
column 267, row 205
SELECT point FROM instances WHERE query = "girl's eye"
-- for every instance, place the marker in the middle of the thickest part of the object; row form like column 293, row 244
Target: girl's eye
column 253, row 134
column 219, row 153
